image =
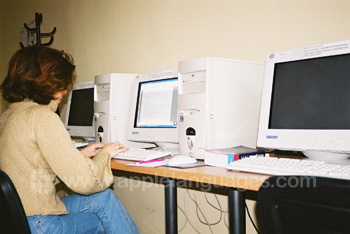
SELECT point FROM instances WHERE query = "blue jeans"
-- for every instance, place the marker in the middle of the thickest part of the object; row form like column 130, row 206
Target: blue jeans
column 96, row 213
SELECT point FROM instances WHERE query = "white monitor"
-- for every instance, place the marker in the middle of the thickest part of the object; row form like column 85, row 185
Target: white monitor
column 80, row 111
column 154, row 109
column 306, row 102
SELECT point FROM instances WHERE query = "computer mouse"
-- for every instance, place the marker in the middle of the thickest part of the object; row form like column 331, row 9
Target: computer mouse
column 181, row 160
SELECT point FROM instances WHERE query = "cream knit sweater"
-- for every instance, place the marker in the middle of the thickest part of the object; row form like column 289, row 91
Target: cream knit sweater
column 35, row 149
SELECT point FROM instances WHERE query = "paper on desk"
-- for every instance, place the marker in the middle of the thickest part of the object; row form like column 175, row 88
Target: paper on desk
column 150, row 164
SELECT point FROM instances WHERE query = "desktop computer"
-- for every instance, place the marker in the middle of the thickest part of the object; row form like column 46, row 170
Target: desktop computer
column 305, row 102
column 112, row 108
column 305, row 108
column 80, row 110
column 153, row 115
column 218, row 104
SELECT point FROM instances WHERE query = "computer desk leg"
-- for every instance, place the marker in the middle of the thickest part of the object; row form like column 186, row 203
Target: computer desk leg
column 170, row 206
column 237, row 211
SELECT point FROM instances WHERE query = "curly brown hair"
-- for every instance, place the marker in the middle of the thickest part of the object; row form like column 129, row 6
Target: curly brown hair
column 37, row 73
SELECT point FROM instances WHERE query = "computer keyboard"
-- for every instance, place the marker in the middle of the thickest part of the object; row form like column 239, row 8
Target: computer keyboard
column 287, row 166
column 80, row 144
column 136, row 154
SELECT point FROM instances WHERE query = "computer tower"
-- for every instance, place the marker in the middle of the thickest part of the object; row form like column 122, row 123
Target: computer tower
column 112, row 108
column 218, row 104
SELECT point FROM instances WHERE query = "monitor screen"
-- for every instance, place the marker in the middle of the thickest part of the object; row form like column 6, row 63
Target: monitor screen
column 157, row 104
column 311, row 94
column 306, row 101
column 80, row 111
column 154, row 108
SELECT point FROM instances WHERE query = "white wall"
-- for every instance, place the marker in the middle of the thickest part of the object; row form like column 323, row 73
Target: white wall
column 139, row 36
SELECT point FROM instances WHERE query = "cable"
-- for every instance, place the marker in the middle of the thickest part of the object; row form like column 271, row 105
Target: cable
column 186, row 221
column 185, row 213
column 251, row 220
column 206, row 198
column 198, row 208
column 219, row 209
column 206, row 222
column 226, row 212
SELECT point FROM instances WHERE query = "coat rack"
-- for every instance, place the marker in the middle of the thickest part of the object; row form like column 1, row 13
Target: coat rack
column 39, row 35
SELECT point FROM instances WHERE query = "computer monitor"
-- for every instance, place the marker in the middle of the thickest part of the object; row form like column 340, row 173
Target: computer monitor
column 80, row 111
column 154, row 109
column 306, row 102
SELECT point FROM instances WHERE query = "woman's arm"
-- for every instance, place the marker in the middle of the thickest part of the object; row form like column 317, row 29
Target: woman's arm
column 80, row 174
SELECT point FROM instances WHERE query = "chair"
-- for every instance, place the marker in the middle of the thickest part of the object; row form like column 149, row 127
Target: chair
column 301, row 204
column 12, row 216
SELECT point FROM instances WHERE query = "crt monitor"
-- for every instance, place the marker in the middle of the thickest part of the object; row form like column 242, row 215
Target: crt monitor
column 306, row 102
column 80, row 111
column 154, row 109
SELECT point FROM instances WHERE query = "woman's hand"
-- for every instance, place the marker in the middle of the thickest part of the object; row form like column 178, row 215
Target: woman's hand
column 114, row 148
column 91, row 150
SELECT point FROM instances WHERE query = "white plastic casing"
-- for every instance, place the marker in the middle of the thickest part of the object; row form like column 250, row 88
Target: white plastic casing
column 112, row 107
column 220, row 99
column 310, row 141
column 166, row 138
column 86, row 132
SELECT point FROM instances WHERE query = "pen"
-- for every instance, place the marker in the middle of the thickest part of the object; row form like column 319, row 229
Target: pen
column 150, row 161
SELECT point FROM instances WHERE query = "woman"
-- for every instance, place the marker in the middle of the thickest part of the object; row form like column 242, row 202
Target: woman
column 36, row 151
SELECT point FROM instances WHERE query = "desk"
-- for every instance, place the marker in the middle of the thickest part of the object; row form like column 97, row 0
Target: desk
column 237, row 182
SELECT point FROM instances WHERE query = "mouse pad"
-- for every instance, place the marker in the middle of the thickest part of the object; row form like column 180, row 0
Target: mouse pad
column 197, row 164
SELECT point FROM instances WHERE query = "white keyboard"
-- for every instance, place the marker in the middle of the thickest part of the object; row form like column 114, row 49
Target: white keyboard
column 79, row 144
column 136, row 154
column 285, row 166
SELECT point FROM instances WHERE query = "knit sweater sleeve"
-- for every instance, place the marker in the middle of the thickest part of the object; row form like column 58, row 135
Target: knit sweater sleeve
column 82, row 175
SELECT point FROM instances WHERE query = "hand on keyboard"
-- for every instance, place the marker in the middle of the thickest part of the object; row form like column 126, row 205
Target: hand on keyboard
column 136, row 154
column 114, row 148
column 91, row 150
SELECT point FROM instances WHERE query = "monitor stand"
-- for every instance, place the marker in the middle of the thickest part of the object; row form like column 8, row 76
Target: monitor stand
column 173, row 148
column 327, row 156
column 89, row 139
